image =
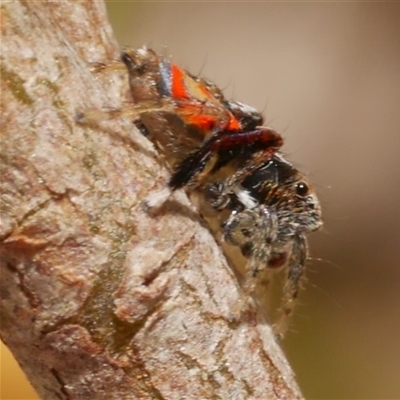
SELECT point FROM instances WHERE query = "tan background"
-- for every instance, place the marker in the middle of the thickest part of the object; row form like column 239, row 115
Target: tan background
column 327, row 75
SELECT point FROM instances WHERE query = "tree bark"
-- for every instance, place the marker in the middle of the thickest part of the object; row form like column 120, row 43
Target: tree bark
column 99, row 299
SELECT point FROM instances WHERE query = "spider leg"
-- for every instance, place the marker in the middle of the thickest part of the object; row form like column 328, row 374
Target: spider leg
column 253, row 230
column 110, row 66
column 295, row 275
column 131, row 111
column 263, row 141
column 265, row 230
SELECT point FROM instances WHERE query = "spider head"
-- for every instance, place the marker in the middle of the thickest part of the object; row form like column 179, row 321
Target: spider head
column 288, row 195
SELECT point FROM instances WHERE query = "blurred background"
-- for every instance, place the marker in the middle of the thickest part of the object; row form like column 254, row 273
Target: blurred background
column 326, row 75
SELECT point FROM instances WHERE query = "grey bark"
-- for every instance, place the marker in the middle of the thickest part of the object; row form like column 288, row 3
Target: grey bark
column 99, row 299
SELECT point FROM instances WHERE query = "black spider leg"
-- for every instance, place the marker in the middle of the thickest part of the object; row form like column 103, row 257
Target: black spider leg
column 295, row 274
column 235, row 144
column 192, row 165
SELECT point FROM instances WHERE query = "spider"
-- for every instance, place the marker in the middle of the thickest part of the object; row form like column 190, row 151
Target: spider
column 219, row 151
column 267, row 217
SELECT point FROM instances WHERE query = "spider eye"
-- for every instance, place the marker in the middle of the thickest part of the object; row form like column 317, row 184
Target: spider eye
column 302, row 189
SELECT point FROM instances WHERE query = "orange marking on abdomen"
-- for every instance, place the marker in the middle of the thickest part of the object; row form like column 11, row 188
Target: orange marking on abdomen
column 178, row 88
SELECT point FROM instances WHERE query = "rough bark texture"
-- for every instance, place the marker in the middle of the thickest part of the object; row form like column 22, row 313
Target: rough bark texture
column 100, row 300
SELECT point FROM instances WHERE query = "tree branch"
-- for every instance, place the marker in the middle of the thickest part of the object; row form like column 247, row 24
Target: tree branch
column 100, row 300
